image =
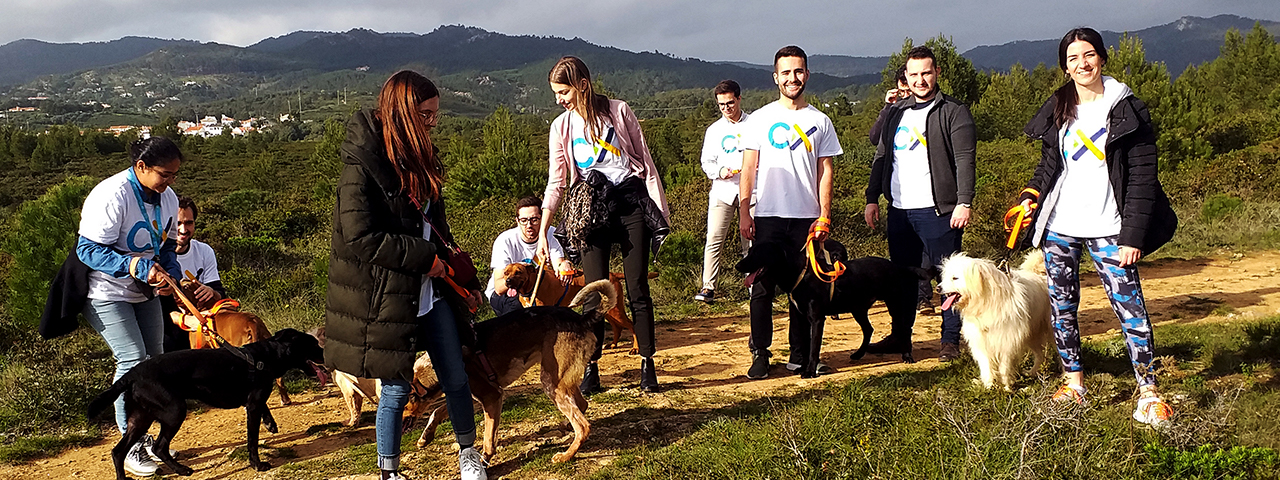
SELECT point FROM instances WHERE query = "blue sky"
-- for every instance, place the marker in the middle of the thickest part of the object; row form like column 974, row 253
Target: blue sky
column 746, row 30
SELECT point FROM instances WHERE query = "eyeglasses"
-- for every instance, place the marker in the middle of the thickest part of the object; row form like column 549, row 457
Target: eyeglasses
column 165, row 174
column 727, row 104
column 430, row 117
column 529, row 221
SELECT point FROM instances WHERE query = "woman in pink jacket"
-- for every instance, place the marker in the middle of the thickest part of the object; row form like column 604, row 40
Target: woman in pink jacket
column 616, row 197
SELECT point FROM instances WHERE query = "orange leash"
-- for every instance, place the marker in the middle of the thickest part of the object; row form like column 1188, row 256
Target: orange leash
column 205, row 327
column 1021, row 219
column 837, row 268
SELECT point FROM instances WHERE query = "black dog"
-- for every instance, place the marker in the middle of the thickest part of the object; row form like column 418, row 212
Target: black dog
column 156, row 390
column 864, row 281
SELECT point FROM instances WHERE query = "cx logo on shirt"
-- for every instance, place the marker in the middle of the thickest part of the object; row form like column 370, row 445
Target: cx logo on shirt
column 593, row 151
column 147, row 237
column 730, row 143
column 794, row 138
column 914, row 138
column 1085, row 144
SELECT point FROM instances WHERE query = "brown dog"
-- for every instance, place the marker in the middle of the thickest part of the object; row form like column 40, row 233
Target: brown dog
column 557, row 338
column 523, row 276
column 237, row 328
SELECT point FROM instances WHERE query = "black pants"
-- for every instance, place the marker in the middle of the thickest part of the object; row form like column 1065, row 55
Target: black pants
column 626, row 228
column 503, row 304
column 789, row 235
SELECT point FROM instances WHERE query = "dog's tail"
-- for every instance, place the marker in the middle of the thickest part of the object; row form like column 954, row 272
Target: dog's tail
column 586, row 297
column 1033, row 263
column 105, row 399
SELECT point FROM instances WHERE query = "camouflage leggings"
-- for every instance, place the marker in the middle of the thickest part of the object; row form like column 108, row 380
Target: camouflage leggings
column 1062, row 260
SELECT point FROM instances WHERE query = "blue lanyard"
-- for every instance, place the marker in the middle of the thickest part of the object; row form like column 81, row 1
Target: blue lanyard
column 153, row 226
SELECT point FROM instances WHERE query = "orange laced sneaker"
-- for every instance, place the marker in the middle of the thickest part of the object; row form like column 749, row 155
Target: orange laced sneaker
column 1153, row 411
column 1068, row 393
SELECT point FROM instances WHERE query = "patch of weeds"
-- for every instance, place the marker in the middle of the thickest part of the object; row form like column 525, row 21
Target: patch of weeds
column 1223, row 310
column 43, row 446
column 1207, row 461
column 525, row 406
column 325, row 428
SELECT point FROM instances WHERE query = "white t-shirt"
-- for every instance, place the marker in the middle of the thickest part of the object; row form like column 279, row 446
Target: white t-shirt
column 510, row 248
column 720, row 149
column 427, row 296
column 911, row 185
column 602, row 155
column 199, row 263
column 790, row 143
column 113, row 215
column 1086, row 206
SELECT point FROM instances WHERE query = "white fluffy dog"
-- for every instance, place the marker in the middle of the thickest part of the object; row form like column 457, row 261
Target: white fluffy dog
column 1005, row 315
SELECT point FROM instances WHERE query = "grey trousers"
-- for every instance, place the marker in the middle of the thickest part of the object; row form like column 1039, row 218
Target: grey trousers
column 720, row 217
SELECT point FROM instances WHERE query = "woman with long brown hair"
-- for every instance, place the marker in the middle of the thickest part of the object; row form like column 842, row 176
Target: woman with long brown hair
column 388, row 294
column 616, row 197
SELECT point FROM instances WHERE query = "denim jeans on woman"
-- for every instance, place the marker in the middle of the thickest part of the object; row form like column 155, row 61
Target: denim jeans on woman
column 441, row 335
column 134, row 331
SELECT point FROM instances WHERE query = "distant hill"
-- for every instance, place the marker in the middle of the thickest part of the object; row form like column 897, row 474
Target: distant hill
column 1184, row 42
column 835, row 65
column 24, row 60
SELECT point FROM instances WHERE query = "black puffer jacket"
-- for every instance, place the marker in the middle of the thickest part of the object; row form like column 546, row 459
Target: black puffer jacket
column 376, row 263
column 1147, row 221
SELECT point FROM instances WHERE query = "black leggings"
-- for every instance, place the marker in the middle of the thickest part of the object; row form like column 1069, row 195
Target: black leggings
column 626, row 228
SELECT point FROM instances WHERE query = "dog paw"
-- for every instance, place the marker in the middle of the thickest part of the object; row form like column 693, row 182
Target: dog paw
column 560, row 457
column 421, row 444
column 907, row 358
column 184, row 471
column 262, row 466
column 272, row 427
column 809, row 375
column 857, row 355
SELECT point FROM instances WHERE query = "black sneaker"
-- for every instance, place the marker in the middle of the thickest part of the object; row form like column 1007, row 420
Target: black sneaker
column 759, row 367
column 949, row 352
column 705, row 295
column 590, row 379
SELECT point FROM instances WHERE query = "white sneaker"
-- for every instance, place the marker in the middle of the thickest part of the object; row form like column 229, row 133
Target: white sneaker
column 823, row 369
column 471, row 464
column 148, row 442
column 138, row 463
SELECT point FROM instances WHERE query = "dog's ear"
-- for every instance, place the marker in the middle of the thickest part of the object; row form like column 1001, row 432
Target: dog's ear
column 836, row 250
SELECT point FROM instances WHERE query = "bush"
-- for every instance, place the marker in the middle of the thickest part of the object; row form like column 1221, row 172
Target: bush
column 38, row 239
column 1219, row 206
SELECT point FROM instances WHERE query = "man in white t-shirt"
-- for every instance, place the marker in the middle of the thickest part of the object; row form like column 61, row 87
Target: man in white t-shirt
column 722, row 162
column 520, row 244
column 199, row 264
column 787, row 159
column 925, row 167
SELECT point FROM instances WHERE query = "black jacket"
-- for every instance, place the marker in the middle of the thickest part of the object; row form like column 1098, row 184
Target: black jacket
column 376, row 263
column 952, row 149
column 67, row 296
column 1146, row 219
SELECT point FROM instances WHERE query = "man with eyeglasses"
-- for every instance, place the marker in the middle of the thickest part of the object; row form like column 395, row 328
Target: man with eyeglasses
column 517, row 245
column 721, row 161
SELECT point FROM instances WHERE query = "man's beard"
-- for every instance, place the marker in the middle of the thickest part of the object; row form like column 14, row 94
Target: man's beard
column 799, row 93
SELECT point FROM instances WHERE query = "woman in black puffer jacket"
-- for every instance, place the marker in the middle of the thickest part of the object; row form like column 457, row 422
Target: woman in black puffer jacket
column 388, row 298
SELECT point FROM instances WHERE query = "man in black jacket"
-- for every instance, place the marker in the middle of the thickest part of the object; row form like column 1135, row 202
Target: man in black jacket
column 924, row 166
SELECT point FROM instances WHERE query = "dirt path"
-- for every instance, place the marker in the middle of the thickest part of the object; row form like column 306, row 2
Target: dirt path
column 700, row 363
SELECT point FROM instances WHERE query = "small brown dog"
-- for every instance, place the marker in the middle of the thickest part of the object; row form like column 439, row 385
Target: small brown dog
column 355, row 390
column 523, row 276
column 237, row 328
column 557, row 338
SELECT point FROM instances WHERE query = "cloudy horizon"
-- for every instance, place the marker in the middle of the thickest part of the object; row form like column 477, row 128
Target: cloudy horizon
column 718, row 30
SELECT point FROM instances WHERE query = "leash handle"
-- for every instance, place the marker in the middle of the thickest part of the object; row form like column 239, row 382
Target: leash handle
column 1021, row 219
column 537, row 284
column 177, row 292
column 837, row 268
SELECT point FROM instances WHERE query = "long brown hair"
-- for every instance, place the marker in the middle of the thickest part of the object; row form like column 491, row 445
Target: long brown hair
column 406, row 135
column 1066, row 97
column 572, row 71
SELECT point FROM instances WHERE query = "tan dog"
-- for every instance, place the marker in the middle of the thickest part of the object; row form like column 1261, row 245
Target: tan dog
column 355, row 390
column 523, row 276
column 237, row 328
column 557, row 338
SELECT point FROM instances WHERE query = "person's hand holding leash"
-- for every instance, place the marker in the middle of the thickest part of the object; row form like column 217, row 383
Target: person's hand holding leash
column 156, row 277
column 438, row 269
column 473, row 300
column 820, row 228
column 565, row 272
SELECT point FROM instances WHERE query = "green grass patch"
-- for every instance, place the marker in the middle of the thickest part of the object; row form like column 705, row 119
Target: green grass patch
column 42, row 446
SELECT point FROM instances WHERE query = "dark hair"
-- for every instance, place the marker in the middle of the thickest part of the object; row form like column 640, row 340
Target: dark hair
column 1066, row 98
column 901, row 76
column 527, row 202
column 920, row 53
column 154, row 151
column 790, row 51
column 572, row 71
column 406, row 137
column 729, row 86
column 187, row 202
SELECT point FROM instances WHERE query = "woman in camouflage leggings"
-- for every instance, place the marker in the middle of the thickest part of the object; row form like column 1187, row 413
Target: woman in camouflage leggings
column 1097, row 189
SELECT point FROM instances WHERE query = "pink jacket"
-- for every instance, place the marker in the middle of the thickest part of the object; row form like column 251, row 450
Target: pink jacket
column 631, row 141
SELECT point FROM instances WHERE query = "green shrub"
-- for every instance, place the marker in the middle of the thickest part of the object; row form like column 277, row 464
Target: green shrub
column 1210, row 462
column 1219, row 206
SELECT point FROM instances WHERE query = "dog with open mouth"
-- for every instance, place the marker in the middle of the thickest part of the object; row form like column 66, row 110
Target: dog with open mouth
column 1005, row 315
column 156, row 390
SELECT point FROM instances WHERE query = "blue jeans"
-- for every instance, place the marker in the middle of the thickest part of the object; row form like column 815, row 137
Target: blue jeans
column 446, row 358
column 918, row 232
column 134, row 331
